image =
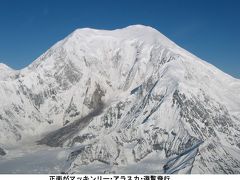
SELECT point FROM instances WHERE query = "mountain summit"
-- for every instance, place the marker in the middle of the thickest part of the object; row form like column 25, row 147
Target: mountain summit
column 125, row 101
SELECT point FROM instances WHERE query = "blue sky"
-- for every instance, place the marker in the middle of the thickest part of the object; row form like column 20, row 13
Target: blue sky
column 208, row 28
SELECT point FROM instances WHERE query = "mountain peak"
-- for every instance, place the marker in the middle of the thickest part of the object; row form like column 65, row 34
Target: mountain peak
column 142, row 33
column 141, row 27
column 129, row 28
column 124, row 98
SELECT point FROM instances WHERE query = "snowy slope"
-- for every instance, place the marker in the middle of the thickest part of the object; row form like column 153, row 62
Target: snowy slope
column 128, row 100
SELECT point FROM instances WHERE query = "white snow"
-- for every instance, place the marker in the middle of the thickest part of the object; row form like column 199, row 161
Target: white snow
column 59, row 86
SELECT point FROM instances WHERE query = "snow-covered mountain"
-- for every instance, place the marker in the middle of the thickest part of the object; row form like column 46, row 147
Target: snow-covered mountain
column 126, row 101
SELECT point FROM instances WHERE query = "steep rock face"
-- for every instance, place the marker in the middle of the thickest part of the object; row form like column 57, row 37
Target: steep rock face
column 125, row 135
column 127, row 101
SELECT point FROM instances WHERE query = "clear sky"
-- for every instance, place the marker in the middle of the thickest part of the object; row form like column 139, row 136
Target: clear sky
column 209, row 29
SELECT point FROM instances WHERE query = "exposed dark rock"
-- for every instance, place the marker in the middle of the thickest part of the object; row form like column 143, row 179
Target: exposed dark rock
column 70, row 112
column 137, row 90
column 60, row 136
column 158, row 147
column 97, row 97
column 68, row 75
column 2, row 152
column 207, row 112
column 81, row 139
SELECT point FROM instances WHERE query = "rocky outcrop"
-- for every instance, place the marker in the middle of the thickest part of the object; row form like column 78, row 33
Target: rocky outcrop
column 2, row 152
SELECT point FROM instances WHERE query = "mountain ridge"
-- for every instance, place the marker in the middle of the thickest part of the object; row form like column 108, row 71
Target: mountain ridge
column 160, row 102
